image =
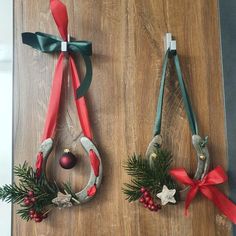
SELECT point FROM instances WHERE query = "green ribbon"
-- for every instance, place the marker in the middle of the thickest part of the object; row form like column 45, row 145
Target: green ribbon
column 49, row 44
column 187, row 104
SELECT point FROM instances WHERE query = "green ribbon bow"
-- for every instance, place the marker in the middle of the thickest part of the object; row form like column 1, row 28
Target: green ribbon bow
column 49, row 44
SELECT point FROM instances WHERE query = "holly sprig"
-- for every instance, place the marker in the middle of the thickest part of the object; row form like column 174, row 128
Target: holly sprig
column 34, row 195
column 148, row 173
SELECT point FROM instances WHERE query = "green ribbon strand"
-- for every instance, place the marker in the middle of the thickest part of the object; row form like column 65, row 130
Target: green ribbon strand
column 50, row 44
column 187, row 104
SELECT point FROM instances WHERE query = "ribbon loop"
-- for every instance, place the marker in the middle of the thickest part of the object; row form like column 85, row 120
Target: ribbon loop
column 60, row 16
column 49, row 44
column 187, row 105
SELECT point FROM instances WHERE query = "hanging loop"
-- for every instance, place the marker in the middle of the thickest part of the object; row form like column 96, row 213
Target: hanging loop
column 199, row 144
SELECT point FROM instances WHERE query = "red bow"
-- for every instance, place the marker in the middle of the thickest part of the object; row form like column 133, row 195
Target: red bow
column 205, row 186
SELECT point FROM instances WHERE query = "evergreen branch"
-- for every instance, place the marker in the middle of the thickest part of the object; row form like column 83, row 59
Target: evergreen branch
column 43, row 192
column 150, row 174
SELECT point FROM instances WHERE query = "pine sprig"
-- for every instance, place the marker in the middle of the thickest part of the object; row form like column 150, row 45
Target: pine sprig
column 150, row 174
column 12, row 193
column 43, row 190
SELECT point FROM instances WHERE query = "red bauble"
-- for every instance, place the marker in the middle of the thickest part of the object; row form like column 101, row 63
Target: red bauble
column 67, row 160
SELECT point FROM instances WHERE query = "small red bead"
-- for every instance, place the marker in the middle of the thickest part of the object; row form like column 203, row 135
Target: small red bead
column 150, row 202
column 33, row 200
column 141, row 200
column 145, row 205
column 26, row 199
column 153, row 208
column 30, row 193
column 147, row 199
column 27, row 202
column 142, row 190
column 35, row 215
column 146, row 194
column 31, row 212
column 38, row 219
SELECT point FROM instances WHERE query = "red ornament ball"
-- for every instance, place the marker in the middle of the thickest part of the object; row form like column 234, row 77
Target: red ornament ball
column 67, row 160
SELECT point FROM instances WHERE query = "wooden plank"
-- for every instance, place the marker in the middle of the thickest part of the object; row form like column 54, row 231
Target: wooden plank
column 127, row 41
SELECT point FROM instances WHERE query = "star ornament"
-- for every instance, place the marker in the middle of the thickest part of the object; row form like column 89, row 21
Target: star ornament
column 166, row 195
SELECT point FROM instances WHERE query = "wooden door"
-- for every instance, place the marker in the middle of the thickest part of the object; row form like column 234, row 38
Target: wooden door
column 127, row 56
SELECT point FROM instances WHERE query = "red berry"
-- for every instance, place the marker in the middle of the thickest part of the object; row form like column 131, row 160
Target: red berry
column 33, row 200
column 147, row 199
column 153, row 208
column 150, row 202
column 146, row 194
column 30, row 193
column 142, row 190
column 141, row 200
column 27, row 202
column 26, row 198
column 145, row 205
column 38, row 219
column 31, row 212
column 35, row 215
column 31, row 216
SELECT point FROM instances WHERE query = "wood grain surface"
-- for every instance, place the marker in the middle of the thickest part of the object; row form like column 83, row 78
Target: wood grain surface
column 127, row 56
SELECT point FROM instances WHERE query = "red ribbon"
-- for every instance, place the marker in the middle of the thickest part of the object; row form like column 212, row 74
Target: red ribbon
column 207, row 188
column 60, row 16
column 39, row 164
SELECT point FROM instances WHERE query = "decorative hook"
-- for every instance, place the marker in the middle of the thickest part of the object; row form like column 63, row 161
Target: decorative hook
column 169, row 43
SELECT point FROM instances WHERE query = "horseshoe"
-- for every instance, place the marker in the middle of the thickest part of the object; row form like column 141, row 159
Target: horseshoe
column 94, row 181
column 202, row 154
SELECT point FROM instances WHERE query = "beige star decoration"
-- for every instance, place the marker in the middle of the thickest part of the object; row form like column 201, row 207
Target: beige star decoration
column 62, row 200
column 166, row 195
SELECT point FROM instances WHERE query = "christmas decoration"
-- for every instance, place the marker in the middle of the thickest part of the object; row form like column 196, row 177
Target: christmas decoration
column 152, row 179
column 67, row 160
column 35, row 194
column 148, row 180
column 167, row 195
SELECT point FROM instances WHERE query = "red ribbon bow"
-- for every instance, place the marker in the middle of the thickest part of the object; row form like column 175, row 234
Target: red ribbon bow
column 60, row 16
column 207, row 188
